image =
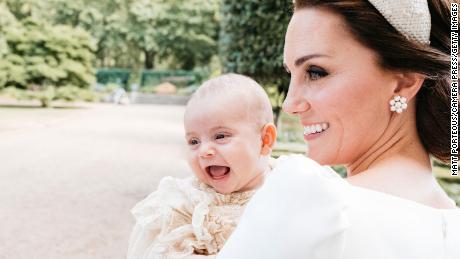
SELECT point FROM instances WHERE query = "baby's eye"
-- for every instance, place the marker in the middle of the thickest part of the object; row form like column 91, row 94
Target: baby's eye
column 193, row 142
column 315, row 73
column 220, row 135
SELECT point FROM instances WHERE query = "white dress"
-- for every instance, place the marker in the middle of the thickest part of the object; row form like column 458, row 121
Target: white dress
column 306, row 211
column 184, row 217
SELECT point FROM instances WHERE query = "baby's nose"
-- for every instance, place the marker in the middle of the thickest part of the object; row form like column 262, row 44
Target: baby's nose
column 207, row 152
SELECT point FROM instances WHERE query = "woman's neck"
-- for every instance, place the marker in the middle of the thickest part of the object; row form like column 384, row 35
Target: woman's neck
column 399, row 165
column 400, row 141
column 405, row 177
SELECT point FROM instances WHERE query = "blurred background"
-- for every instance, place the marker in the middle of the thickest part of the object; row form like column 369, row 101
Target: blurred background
column 92, row 95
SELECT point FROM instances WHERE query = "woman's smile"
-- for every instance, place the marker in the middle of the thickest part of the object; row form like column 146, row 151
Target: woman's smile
column 312, row 131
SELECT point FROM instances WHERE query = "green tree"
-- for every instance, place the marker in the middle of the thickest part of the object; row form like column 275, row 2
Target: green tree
column 39, row 60
column 50, row 55
column 251, row 43
column 179, row 34
column 23, row 9
column 141, row 33
column 181, row 30
column 11, row 66
column 188, row 32
column 105, row 21
column 37, row 53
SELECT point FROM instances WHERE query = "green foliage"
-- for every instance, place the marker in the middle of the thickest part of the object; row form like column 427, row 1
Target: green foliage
column 44, row 95
column 440, row 164
column 452, row 188
column 184, row 31
column 11, row 66
column 179, row 78
column 188, row 32
column 24, row 9
column 48, row 94
column 106, row 21
column 113, row 75
column 341, row 170
column 38, row 53
column 12, row 92
column 251, row 43
column 110, row 87
column 67, row 93
column 135, row 33
column 146, row 78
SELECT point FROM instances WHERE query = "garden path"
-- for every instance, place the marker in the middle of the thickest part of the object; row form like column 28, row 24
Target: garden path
column 69, row 177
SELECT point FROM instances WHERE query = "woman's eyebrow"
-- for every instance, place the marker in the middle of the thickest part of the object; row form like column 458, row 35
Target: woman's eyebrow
column 298, row 62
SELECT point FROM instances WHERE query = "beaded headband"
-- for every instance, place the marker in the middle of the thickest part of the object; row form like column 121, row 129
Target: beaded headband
column 411, row 18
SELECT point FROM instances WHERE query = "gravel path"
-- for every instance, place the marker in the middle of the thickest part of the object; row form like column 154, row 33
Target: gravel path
column 67, row 182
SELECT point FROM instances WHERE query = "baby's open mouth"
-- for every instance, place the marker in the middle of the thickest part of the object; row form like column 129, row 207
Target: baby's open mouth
column 217, row 172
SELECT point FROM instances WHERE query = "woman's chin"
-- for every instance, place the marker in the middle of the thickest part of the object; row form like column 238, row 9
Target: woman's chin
column 321, row 159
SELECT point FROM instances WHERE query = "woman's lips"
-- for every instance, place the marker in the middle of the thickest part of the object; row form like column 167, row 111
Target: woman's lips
column 314, row 130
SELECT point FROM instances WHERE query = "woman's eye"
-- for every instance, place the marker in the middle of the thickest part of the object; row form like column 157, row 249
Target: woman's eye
column 315, row 73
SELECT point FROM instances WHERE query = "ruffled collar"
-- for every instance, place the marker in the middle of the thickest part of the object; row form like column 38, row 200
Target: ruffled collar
column 235, row 198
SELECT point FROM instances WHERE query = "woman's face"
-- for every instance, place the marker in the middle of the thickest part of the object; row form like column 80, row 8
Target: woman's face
column 337, row 89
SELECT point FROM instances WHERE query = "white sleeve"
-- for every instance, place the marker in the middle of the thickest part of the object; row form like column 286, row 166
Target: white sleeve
column 299, row 212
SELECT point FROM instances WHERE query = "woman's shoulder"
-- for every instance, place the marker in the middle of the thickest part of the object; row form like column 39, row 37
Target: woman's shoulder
column 303, row 176
column 300, row 203
column 313, row 211
column 300, row 184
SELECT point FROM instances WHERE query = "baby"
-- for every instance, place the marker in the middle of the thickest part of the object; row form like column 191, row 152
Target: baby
column 230, row 133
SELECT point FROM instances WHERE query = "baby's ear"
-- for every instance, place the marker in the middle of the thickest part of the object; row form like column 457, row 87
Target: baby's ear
column 268, row 138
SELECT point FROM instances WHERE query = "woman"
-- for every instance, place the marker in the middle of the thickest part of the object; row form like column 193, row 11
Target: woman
column 370, row 84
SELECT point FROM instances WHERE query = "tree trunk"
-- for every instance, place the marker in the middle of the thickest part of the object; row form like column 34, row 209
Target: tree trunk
column 149, row 59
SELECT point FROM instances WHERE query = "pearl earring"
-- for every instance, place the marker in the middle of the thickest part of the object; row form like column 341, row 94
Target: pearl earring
column 398, row 104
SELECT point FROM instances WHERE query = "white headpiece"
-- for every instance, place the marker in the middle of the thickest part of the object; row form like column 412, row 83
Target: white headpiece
column 410, row 17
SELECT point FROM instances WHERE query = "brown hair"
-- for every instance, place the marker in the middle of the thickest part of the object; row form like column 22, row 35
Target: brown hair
column 397, row 53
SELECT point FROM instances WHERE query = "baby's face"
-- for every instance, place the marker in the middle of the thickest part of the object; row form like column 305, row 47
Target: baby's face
column 224, row 146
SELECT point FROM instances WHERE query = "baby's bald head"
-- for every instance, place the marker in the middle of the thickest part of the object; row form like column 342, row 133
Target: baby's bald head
column 241, row 94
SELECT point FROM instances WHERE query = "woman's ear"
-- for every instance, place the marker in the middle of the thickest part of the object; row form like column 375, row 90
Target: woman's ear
column 408, row 84
column 268, row 138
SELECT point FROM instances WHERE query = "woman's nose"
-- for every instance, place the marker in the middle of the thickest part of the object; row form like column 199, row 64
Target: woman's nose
column 295, row 102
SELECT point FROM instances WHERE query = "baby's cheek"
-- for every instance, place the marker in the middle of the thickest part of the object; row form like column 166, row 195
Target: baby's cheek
column 192, row 154
column 193, row 162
